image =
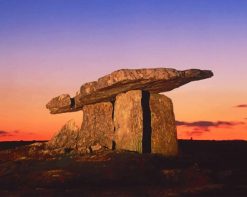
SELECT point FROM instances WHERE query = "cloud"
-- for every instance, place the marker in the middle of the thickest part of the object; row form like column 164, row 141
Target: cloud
column 4, row 133
column 195, row 132
column 199, row 127
column 207, row 123
column 241, row 106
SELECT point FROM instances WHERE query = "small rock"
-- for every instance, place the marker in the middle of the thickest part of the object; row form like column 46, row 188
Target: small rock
column 96, row 147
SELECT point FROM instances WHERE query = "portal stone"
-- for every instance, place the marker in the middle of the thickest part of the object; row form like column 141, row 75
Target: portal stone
column 145, row 123
column 128, row 121
column 97, row 126
column 164, row 133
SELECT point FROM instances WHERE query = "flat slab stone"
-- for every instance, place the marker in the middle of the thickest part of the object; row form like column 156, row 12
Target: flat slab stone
column 60, row 103
column 153, row 80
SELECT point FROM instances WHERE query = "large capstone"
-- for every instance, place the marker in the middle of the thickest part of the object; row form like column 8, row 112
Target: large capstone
column 97, row 127
column 153, row 80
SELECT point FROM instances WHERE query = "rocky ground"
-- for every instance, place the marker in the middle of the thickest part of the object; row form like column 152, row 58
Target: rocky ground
column 203, row 168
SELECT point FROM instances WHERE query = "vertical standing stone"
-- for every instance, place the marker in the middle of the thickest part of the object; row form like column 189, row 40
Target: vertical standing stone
column 164, row 133
column 128, row 121
column 97, row 126
column 145, row 123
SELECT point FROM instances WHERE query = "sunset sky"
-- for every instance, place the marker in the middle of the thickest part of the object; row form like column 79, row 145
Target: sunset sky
column 51, row 47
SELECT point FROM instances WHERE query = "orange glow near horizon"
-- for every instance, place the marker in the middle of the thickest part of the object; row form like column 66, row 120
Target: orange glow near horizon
column 35, row 122
column 26, row 118
column 23, row 114
column 233, row 133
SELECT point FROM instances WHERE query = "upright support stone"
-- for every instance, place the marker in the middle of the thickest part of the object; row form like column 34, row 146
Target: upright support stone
column 97, row 126
column 145, row 123
column 164, row 132
column 128, row 121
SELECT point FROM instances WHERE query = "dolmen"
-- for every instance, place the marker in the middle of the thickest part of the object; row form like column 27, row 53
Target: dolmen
column 124, row 110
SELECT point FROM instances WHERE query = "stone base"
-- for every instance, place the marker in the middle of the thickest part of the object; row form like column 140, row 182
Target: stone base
column 140, row 121
column 97, row 126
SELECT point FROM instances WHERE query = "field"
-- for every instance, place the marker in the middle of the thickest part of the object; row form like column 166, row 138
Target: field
column 203, row 168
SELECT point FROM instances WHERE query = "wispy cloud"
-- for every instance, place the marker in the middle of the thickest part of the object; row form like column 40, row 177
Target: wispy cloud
column 199, row 127
column 241, row 106
column 195, row 132
column 204, row 123
column 4, row 133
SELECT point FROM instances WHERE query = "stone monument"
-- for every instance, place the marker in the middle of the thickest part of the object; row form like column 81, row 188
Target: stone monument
column 124, row 110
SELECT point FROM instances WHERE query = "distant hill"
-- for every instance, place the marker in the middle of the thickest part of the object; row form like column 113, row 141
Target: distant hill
column 14, row 144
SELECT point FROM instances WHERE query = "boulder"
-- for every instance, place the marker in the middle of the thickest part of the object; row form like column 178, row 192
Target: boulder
column 153, row 80
column 66, row 137
column 97, row 126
